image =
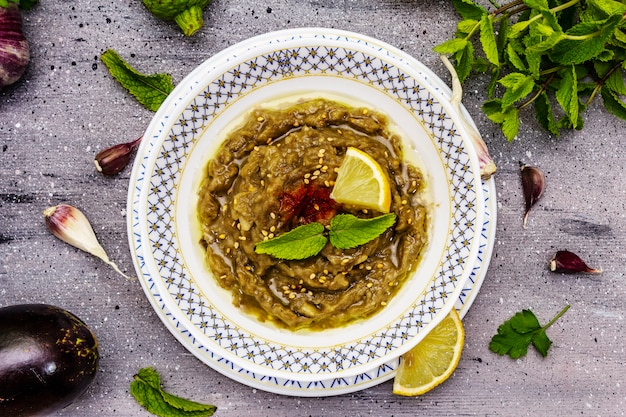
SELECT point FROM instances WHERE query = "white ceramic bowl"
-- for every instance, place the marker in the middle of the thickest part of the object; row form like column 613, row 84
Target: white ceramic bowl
column 282, row 66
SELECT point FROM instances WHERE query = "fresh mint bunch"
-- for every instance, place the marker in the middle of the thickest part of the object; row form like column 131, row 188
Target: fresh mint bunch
column 555, row 55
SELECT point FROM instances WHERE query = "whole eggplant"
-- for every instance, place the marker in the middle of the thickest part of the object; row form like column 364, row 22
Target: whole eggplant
column 48, row 357
column 14, row 49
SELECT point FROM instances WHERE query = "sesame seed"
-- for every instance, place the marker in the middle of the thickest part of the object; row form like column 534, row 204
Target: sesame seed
column 273, row 229
column 260, row 119
column 273, row 215
column 242, row 238
column 364, row 111
column 306, row 181
column 383, row 303
column 369, row 285
column 307, row 175
column 271, row 235
column 312, row 276
column 292, row 295
column 379, row 265
column 316, row 172
column 222, row 236
column 345, row 261
column 264, row 232
column 303, row 290
column 316, row 207
column 236, row 245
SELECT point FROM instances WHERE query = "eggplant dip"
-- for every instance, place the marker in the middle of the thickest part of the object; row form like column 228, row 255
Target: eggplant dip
column 276, row 172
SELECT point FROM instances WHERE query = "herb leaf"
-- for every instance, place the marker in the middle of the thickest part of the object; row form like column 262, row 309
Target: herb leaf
column 517, row 333
column 299, row 243
column 149, row 90
column 546, row 53
column 146, row 388
column 345, row 231
column 348, row 231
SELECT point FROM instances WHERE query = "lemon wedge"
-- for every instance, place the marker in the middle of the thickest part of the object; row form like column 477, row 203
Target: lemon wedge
column 433, row 360
column 362, row 182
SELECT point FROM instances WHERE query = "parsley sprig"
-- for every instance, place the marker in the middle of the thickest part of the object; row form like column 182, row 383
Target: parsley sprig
column 516, row 334
column 555, row 55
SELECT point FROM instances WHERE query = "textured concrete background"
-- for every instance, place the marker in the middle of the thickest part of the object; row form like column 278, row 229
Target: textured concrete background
column 67, row 107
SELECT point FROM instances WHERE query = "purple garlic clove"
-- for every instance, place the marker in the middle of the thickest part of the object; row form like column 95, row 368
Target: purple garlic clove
column 533, row 184
column 569, row 263
column 112, row 161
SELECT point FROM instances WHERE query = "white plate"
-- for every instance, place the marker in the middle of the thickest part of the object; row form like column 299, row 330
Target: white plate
column 161, row 203
column 375, row 376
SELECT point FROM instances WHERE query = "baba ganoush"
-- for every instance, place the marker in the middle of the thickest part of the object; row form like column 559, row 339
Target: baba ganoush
column 276, row 172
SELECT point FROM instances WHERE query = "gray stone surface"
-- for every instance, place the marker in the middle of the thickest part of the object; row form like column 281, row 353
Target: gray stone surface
column 67, row 107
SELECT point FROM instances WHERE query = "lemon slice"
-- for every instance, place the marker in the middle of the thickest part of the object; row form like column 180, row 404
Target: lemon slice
column 362, row 182
column 433, row 360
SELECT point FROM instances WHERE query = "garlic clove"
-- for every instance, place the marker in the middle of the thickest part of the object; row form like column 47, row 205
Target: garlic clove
column 569, row 263
column 112, row 160
column 533, row 185
column 71, row 226
column 485, row 161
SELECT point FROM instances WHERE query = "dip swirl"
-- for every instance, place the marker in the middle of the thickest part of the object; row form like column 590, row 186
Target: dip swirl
column 276, row 172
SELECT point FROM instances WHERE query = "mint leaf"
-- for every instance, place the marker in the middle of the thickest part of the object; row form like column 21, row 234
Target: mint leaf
column 545, row 115
column 468, row 9
column 345, row 231
column 517, row 333
column 348, row 231
column 488, row 40
column 518, row 86
column 299, row 243
column 613, row 103
column 464, row 60
column 149, row 90
column 146, row 389
column 584, row 41
column 451, row 46
column 567, row 95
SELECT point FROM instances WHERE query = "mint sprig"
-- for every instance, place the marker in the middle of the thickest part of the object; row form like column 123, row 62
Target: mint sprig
column 345, row 231
column 554, row 56
column 149, row 90
column 146, row 388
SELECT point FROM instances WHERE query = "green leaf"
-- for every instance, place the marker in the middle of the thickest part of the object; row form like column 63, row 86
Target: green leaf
column 508, row 118
column 348, row 231
column 464, row 61
column 491, row 88
column 146, row 389
column 149, row 90
column 613, row 103
column 509, row 342
column 606, row 8
column 541, row 342
column 518, row 86
column 488, row 40
column 615, row 82
column 567, row 94
column 299, row 243
column 467, row 26
column 514, row 58
column 537, row 4
column 518, row 28
column 584, row 41
column 517, row 333
column 510, row 125
column 468, row 9
column 544, row 114
column 451, row 46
